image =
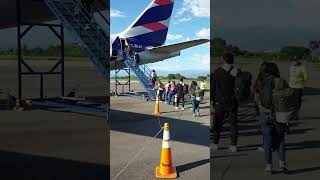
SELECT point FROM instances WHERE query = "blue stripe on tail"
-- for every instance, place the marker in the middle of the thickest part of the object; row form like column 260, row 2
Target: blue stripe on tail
column 155, row 14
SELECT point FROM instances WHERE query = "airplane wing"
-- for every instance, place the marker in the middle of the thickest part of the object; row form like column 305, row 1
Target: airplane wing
column 177, row 47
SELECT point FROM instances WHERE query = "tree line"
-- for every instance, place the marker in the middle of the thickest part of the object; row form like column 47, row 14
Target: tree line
column 219, row 46
column 170, row 77
column 70, row 50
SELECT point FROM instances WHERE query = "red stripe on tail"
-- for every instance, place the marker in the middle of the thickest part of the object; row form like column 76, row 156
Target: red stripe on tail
column 156, row 26
column 163, row 2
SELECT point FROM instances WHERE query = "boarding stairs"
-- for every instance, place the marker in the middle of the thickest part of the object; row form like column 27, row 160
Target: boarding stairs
column 90, row 35
column 142, row 72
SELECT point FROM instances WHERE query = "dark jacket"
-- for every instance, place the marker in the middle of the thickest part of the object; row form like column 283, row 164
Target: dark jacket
column 192, row 90
column 179, row 89
column 223, row 88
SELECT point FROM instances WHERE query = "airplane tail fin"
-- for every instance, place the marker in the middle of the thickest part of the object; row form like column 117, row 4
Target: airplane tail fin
column 151, row 26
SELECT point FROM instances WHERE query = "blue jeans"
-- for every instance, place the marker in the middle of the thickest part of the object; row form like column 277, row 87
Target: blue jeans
column 170, row 97
column 166, row 96
column 195, row 105
column 273, row 137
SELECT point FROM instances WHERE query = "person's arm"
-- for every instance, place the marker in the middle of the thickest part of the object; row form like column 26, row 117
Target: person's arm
column 213, row 86
column 305, row 74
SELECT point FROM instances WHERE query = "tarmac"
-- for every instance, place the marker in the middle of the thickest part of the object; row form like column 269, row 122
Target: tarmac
column 133, row 127
column 303, row 141
column 78, row 74
column 48, row 145
column 41, row 145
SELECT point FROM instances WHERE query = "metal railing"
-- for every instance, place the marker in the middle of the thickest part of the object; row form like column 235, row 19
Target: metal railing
column 142, row 72
column 143, row 68
column 76, row 17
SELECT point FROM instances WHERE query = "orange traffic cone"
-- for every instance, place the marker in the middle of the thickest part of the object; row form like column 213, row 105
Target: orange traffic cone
column 166, row 169
column 156, row 107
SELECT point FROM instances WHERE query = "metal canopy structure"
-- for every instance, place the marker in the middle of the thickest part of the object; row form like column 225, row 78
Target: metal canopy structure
column 21, row 33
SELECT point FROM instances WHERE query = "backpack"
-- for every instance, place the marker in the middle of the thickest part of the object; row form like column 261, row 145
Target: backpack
column 283, row 98
column 265, row 91
column 185, row 88
column 242, row 87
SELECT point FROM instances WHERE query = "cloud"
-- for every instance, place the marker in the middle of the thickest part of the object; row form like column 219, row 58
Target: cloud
column 187, row 39
column 174, row 36
column 186, row 19
column 204, row 33
column 202, row 59
column 199, row 8
column 116, row 13
column 196, row 62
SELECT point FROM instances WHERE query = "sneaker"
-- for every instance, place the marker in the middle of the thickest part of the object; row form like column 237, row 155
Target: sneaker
column 182, row 108
column 194, row 115
column 214, row 147
column 166, row 102
column 176, row 108
column 198, row 114
column 283, row 166
column 261, row 149
column 268, row 169
column 233, row 148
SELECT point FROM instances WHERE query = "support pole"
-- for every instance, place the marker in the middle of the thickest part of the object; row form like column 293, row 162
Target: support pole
column 129, row 81
column 18, row 3
column 41, row 86
column 62, row 58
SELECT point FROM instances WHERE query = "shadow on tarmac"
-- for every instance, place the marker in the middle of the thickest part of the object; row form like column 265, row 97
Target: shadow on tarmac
column 310, row 118
column 289, row 146
column 188, row 166
column 256, row 133
column 30, row 167
column 230, row 155
column 304, row 170
column 148, row 125
column 81, row 113
column 303, row 145
column 309, row 91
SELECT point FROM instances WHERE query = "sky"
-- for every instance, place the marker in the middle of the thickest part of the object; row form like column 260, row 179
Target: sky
column 266, row 25
column 190, row 20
